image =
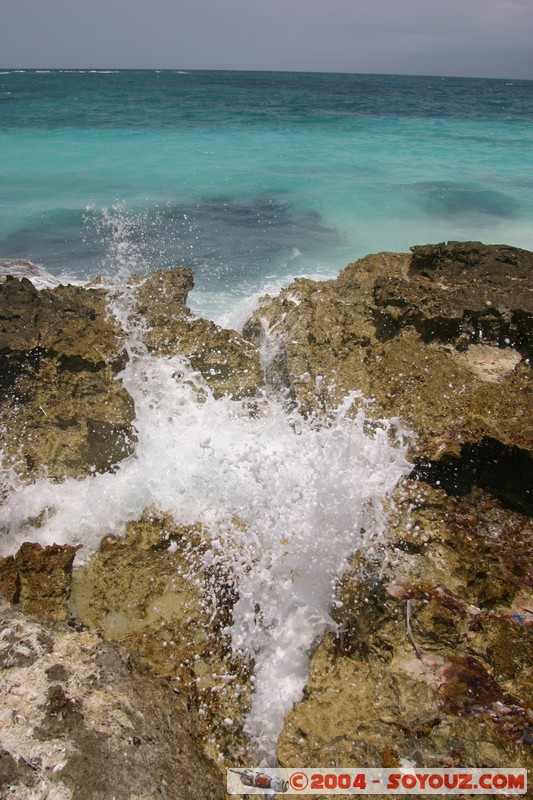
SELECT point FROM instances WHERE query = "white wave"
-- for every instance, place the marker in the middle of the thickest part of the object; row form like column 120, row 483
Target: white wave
column 307, row 495
column 36, row 273
column 230, row 310
column 287, row 500
column 19, row 268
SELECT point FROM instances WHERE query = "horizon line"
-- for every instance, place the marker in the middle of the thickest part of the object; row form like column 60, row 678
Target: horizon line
column 279, row 71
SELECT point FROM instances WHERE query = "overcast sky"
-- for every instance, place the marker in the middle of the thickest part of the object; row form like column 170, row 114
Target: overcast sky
column 491, row 38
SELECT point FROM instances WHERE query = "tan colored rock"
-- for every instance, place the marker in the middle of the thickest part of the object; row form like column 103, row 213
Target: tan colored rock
column 145, row 579
column 406, row 332
column 150, row 592
column 488, row 362
column 228, row 363
column 430, row 664
column 63, row 411
column 77, row 721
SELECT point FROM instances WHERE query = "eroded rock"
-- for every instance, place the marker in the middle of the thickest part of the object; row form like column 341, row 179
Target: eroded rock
column 39, row 578
column 77, row 721
column 430, row 663
column 429, row 666
column 228, row 363
column 151, row 592
column 63, row 412
column 440, row 339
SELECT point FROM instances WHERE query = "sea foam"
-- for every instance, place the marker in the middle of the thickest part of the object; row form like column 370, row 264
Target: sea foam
column 287, row 499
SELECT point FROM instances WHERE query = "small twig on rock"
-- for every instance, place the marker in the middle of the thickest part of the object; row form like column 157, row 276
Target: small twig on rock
column 418, row 651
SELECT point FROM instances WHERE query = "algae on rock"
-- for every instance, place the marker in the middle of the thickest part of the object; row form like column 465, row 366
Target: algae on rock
column 64, row 413
column 430, row 665
column 430, row 661
column 440, row 339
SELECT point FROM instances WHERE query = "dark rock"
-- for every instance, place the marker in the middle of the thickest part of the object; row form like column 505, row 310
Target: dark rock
column 9, row 579
column 505, row 472
column 39, row 578
column 439, row 339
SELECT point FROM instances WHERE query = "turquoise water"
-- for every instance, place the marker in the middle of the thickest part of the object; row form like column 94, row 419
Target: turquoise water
column 250, row 178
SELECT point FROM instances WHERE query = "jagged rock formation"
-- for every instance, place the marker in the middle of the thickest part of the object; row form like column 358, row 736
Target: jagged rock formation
column 62, row 412
column 78, row 721
column 430, row 665
column 149, row 592
column 65, row 414
column 227, row 362
column 39, row 579
column 440, row 339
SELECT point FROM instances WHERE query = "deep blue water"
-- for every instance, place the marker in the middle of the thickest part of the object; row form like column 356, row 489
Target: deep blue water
column 250, row 177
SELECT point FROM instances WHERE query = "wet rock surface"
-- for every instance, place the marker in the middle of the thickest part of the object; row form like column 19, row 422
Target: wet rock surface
column 429, row 666
column 151, row 592
column 79, row 721
column 62, row 413
column 443, row 346
column 228, row 363
column 39, row 579
column 430, row 663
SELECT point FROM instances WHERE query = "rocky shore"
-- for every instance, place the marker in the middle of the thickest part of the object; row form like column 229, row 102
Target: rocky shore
column 117, row 667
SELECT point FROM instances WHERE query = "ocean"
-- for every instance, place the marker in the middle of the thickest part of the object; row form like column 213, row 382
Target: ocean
column 250, row 179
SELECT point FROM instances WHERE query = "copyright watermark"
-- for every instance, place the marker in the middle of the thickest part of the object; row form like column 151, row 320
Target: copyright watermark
column 376, row 781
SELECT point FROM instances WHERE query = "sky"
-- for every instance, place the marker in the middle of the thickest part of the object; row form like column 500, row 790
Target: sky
column 478, row 38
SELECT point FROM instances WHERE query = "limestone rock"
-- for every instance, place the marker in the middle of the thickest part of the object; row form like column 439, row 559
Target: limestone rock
column 77, row 721
column 39, row 578
column 430, row 663
column 228, row 363
column 463, row 293
column 63, row 412
column 151, row 592
column 440, row 339
column 429, row 666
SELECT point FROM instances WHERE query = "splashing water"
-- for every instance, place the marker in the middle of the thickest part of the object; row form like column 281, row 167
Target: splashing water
column 307, row 493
